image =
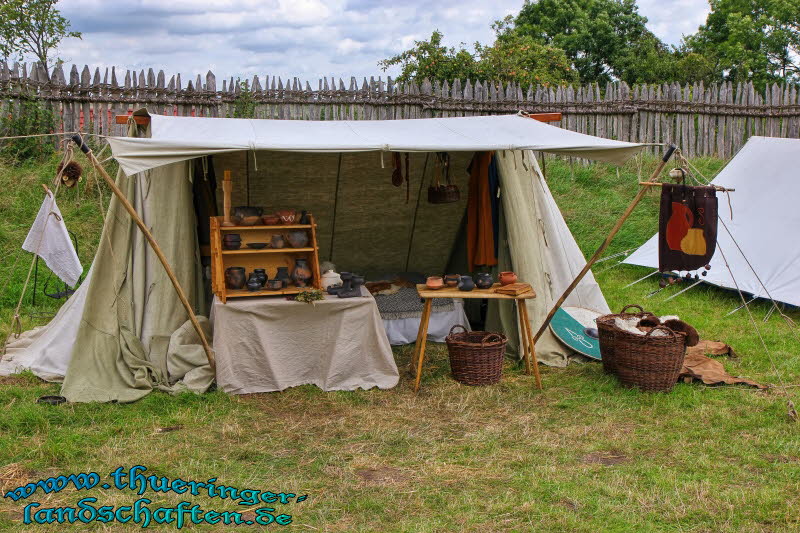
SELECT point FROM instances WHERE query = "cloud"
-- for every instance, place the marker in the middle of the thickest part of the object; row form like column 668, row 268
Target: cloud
column 304, row 38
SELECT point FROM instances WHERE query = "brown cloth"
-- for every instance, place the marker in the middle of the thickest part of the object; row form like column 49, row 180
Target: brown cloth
column 687, row 227
column 697, row 366
column 480, row 238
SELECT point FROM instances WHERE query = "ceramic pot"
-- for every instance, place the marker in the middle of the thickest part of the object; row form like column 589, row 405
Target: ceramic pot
column 434, row 282
column 297, row 238
column 249, row 221
column 261, row 274
column 507, row 278
column 466, row 284
column 274, row 285
column 254, row 283
column 243, row 211
column 483, row 280
column 451, row 280
column 283, row 276
column 271, row 220
column 234, row 278
column 330, row 278
column 231, row 237
column 301, row 274
column 287, row 216
column 304, row 219
column 233, row 245
column 277, row 241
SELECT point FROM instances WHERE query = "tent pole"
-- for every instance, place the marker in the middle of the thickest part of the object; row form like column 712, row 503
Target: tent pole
column 335, row 205
column 153, row 244
column 609, row 238
column 416, row 209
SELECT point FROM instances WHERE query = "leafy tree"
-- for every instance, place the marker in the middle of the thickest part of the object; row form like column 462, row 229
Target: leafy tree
column 604, row 39
column 756, row 40
column 32, row 27
column 431, row 59
column 512, row 57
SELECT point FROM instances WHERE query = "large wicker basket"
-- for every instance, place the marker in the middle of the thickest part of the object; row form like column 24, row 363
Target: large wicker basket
column 650, row 362
column 476, row 357
column 608, row 334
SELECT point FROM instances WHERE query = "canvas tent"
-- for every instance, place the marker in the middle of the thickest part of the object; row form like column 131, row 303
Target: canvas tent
column 763, row 220
column 127, row 334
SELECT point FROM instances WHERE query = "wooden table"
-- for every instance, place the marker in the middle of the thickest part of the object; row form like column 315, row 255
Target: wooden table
column 528, row 348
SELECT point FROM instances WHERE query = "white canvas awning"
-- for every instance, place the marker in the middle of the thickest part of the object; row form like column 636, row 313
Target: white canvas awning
column 763, row 219
column 175, row 139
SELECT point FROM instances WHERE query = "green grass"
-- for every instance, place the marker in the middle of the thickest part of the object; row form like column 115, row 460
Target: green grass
column 582, row 455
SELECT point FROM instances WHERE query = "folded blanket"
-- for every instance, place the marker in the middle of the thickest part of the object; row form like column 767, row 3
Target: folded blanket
column 406, row 303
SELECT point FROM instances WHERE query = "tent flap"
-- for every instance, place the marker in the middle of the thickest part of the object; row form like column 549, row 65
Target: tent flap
column 175, row 139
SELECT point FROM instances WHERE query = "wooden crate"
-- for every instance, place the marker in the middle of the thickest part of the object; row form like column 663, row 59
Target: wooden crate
column 269, row 259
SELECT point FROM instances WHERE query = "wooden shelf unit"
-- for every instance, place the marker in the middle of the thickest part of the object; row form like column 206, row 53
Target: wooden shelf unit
column 267, row 258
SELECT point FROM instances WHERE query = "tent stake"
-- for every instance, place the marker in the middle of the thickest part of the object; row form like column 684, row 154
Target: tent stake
column 640, row 279
column 605, row 244
column 695, row 284
column 153, row 244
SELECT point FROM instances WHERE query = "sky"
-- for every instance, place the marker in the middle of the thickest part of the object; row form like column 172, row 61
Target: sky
column 304, row 38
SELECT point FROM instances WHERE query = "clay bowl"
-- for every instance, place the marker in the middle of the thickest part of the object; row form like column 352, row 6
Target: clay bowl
column 451, row 280
column 287, row 216
column 231, row 237
column 250, row 221
column 271, row 220
column 233, row 245
column 434, row 283
column 257, row 245
column 274, row 285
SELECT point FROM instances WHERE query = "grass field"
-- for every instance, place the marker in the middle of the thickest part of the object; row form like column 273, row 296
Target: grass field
column 584, row 454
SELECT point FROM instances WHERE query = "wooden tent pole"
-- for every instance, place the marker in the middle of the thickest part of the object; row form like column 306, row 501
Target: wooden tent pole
column 609, row 238
column 153, row 244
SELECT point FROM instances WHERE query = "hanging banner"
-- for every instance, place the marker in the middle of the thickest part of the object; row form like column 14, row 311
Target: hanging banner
column 687, row 228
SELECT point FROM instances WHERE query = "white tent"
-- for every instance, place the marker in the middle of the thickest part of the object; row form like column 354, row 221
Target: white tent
column 762, row 248
column 126, row 344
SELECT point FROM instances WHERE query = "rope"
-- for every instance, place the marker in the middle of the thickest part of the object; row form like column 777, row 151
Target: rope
column 38, row 135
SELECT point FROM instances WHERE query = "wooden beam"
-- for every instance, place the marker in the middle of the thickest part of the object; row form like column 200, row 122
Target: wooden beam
column 140, row 120
column 544, row 117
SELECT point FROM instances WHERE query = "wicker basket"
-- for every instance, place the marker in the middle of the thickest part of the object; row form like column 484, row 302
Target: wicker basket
column 608, row 333
column 476, row 357
column 649, row 362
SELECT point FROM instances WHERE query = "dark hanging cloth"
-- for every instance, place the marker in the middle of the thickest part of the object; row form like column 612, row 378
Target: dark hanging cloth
column 687, row 227
column 494, row 186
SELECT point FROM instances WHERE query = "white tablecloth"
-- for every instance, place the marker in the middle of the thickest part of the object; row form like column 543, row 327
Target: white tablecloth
column 404, row 330
column 266, row 344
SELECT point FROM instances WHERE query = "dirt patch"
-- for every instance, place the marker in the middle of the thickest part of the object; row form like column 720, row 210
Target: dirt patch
column 17, row 381
column 572, row 505
column 382, row 475
column 605, row 458
column 782, row 458
column 12, row 476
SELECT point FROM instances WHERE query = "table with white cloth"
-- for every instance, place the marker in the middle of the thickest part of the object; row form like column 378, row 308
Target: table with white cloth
column 267, row 344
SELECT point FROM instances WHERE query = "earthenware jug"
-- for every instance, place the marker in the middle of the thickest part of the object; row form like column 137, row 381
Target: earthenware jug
column 261, row 274
column 304, row 219
column 277, row 241
column 234, row 278
column 254, row 283
column 466, row 284
column 301, row 274
column 483, row 280
column 297, row 238
column 507, row 278
column 283, row 275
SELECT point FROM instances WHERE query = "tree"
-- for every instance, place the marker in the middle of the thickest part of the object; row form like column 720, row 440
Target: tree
column 512, row 57
column 751, row 40
column 32, row 27
column 603, row 39
column 430, row 59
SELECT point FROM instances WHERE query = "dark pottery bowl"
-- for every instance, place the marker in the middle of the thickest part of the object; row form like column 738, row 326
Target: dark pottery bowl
column 256, row 245
column 274, row 285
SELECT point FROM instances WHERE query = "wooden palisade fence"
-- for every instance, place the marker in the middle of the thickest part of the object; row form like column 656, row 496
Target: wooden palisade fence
column 713, row 121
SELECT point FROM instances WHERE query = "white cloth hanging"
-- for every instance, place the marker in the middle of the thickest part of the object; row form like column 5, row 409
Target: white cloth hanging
column 48, row 238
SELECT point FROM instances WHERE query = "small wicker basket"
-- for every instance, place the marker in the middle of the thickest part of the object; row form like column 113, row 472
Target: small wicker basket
column 476, row 357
